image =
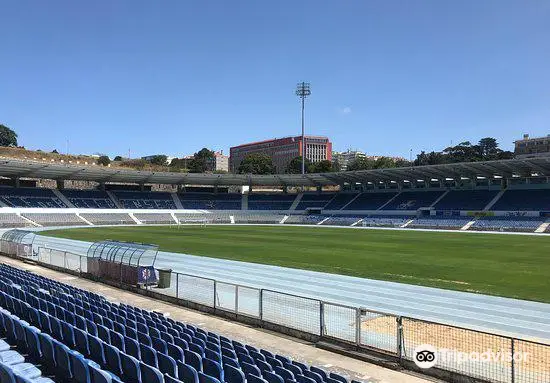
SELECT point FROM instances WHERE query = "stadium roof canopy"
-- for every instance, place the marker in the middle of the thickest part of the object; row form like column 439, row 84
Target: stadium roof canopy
column 525, row 167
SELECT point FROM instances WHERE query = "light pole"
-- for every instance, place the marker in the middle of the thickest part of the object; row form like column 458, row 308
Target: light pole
column 302, row 91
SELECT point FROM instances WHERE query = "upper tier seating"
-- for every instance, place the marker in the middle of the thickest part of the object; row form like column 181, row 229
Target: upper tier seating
column 94, row 199
column 314, row 200
column 466, row 199
column 340, row 200
column 55, row 219
column 270, row 201
column 145, row 200
column 528, row 224
column 370, row 201
column 211, row 201
column 413, row 200
column 134, row 345
column 108, row 218
column 523, row 200
column 29, row 197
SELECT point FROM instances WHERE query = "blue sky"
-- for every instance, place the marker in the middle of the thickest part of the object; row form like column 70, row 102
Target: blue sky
column 175, row 76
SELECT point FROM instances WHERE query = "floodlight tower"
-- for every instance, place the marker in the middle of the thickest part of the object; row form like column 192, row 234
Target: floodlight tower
column 302, row 91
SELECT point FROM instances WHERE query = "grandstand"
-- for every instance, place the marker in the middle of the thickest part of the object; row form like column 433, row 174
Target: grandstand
column 29, row 197
column 507, row 195
column 145, row 200
column 93, row 199
column 311, row 200
column 413, row 200
column 69, row 333
column 370, row 201
column 57, row 219
column 211, row 201
column 270, row 201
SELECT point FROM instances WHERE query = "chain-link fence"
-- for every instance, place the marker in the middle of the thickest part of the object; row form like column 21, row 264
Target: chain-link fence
column 291, row 311
column 475, row 354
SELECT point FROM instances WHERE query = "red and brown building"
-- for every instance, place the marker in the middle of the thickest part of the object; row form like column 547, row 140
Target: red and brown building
column 283, row 150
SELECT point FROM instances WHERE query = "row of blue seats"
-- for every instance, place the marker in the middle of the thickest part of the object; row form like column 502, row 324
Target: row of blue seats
column 168, row 347
column 14, row 366
column 511, row 200
column 53, row 357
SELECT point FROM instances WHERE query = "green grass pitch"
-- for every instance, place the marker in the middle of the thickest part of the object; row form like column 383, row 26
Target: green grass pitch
column 507, row 265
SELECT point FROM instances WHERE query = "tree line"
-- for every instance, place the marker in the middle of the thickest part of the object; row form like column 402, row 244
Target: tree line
column 486, row 149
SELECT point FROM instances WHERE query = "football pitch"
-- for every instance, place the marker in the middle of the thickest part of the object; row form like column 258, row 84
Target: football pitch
column 515, row 266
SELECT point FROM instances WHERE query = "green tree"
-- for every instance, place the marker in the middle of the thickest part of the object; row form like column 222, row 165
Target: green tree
column 201, row 161
column 295, row 166
column 118, row 158
column 7, row 136
column 488, row 146
column 361, row 163
column 179, row 163
column 159, row 159
column 256, row 163
column 336, row 167
column 103, row 160
column 324, row 166
column 55, row 151
column 384, row 163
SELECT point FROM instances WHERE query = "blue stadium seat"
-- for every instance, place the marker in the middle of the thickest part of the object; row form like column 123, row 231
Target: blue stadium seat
column 187, row 373
column 167, row 365
column 150, row 374
column 130, row 368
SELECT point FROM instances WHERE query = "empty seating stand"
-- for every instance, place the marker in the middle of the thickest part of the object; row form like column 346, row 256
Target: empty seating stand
column 511, row 223
column 55, row 219
column 209, row 218
column 145, row 200
column 94, row 199
column 267, row 218
column 413, row 200
column 29, row 197
column 341, row 220
column 385, row 221
column 155, row 218
column 340, row 200
column 12, row 220
column 370, row 201
column 82, row 337
column 108, row 218
column 442, row 222
column 310, row 200
column 305, row 219
column 270, row 201
column 211, row 201
column 513, row 200
column 466, row 200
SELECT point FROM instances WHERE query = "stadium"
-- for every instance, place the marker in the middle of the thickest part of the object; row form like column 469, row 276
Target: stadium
column 274, row 191
column 369, row 263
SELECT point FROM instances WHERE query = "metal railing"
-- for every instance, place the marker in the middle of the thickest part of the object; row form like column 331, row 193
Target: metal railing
column 361, row 328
